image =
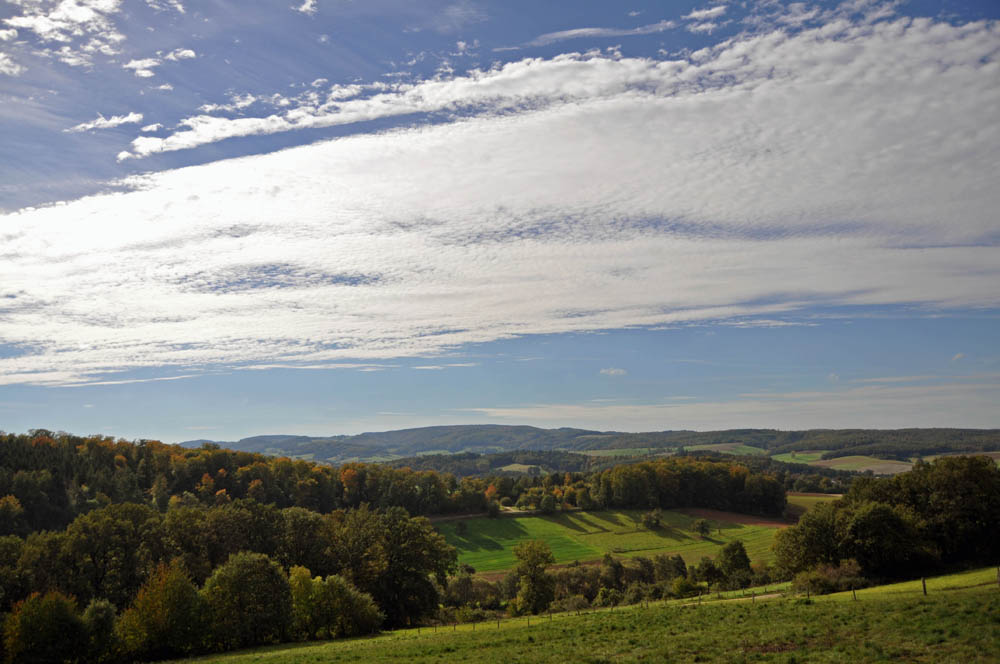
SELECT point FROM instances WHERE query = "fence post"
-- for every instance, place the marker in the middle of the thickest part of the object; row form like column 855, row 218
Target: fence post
column 753, row 596
column 923, row 583
column 854, row 593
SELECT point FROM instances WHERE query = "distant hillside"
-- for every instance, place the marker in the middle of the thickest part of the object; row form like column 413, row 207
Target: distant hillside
column 494, row 438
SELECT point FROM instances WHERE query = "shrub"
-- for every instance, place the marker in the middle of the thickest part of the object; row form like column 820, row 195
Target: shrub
column 608, row 597
column 684, row 587
column 824, row 579
column 571, row 603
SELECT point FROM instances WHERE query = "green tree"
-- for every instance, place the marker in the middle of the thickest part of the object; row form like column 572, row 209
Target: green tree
column 45, row 629
column 536, row 589
column 330, row 607
column 734, row 564
column 415, row 553
column 113, row 549
column 883, row 539
column 816, row 539
column 248, row 601
column 702, row 527
column 652, row 519
column 99, row 624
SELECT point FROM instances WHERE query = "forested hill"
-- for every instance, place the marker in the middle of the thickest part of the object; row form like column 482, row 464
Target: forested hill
column 492, row 438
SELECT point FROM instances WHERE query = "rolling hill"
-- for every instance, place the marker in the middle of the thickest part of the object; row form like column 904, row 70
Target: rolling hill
column 899, row 444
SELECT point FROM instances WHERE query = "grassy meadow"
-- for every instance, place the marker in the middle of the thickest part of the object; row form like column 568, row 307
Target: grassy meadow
column 800, row 457
column 727, row 448
column 956, row 622
column 488, row 544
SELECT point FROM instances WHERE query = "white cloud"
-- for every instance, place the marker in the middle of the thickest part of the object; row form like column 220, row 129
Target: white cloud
column 578, row 33
column 152, row 127
column 107, row 123
column 957, row 356
column 7, row 35
column 163, row 5
column 611, row 371
column 307, row 7
column 741, row 184
column 706, row 14
column 9, row 67
column 180, row 54
column 82, row 27
column 706, row 28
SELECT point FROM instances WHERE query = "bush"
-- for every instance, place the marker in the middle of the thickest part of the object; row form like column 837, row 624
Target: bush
column 608, row 597
column 825, row 579
column 571, row 603
column 635, row 593
column 684, row 587
column 248, row 601
column 44, row 629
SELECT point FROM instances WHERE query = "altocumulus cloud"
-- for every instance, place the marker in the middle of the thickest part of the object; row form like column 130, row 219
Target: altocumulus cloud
column 615, row 191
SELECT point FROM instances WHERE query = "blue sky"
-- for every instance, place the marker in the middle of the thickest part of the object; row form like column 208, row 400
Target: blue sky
column 223, row 219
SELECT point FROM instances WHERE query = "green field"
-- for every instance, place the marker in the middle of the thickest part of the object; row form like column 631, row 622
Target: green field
column 624, row 452
column 801, row 502
column 956, row 622
column 519, row 468
column 800, row 457
column 727, row 448
column 863, row 463
column 488, row 544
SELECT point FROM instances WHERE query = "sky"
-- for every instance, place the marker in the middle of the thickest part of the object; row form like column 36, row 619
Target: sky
column 221, row 219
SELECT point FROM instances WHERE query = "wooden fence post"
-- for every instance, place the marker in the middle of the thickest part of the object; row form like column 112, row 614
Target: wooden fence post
column 923, row 583
column 854, row 593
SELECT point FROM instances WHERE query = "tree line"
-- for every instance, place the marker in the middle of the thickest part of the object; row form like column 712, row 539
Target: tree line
column 938, row 516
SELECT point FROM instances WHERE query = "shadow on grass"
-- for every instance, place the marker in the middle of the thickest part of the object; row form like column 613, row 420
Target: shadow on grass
column 484, row 536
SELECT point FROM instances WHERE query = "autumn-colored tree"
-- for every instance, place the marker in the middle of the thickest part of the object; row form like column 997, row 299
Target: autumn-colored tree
column 166, row 619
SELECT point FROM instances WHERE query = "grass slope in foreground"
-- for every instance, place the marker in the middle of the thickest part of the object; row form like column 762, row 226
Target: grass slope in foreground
column 959, row 621
column 488, row 544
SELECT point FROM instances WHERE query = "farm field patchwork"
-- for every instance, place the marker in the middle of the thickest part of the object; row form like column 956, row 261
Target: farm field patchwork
column 956, row 622
column 487, row 544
